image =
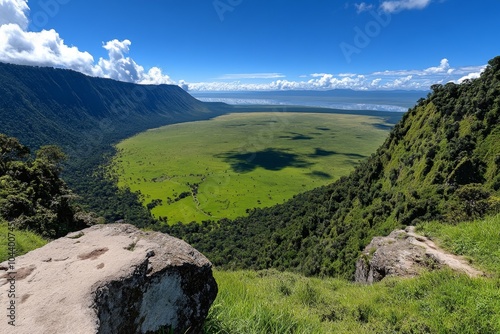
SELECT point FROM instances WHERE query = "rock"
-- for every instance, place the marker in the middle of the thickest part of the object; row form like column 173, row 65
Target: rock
column 406, row 254
column 109, row 279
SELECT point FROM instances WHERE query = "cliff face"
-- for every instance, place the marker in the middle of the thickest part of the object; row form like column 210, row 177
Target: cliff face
column 109, row 279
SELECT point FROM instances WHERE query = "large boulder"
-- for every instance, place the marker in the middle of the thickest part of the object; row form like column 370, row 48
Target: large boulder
column 108, row 279
column 404, row 253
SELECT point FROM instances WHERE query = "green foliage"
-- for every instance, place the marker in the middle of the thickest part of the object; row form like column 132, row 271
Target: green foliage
column 436, row 302
column 32, row 196
column 439, row 163
column 478, row 240
column 25, row 241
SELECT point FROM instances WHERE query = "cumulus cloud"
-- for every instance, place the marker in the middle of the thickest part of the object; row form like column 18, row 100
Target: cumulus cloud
column 47, row 48
column 122, row 68
column 14, row 11
column 400, row 5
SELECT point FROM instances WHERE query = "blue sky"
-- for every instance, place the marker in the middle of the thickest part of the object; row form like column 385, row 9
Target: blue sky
column 256, row 44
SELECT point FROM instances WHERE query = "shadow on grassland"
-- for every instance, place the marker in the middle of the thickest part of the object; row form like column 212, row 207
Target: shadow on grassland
column 320, row 175
column 319, row 152
column 270, row 159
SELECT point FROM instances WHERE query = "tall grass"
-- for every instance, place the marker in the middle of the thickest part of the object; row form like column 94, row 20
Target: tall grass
column 479, row 241
column 436, row 302
column 25, row 241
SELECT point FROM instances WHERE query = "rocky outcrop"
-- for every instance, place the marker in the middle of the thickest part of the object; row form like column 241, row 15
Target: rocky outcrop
column 405, row 253
column 109, row 279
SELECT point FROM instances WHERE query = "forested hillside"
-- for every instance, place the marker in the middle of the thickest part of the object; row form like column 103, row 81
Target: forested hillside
column 85, row 116
column 442, row 161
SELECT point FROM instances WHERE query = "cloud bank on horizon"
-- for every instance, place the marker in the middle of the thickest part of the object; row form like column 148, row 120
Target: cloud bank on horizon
column 20, row 46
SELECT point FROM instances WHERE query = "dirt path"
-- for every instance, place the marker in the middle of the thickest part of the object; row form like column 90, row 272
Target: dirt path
column 453, row 261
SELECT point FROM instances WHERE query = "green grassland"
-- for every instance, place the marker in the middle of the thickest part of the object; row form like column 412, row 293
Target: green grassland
column 225, row 166
column 25, row 241
column 436, row 302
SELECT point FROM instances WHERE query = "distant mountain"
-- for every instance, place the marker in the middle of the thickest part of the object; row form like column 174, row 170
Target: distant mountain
column 440, row 162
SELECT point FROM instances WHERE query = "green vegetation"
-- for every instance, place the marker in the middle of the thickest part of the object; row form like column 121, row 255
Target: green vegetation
column 441, row 162
column 273, row 302
column 477, row 240
column 223, row 167
column 437, row 302
column 32, row 196
column 25, row 241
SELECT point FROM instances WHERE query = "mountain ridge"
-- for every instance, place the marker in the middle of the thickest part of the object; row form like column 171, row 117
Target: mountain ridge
column 62, row 96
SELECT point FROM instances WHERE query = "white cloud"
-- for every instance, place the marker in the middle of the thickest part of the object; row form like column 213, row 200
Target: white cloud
column 443, row 68
column 44, row 48
column 363, row 7
column 122, row 68
column 419, row 79
column 317, row 75
column 399, row 5
column 47, row 48
column 14, row 11
column 470, row 76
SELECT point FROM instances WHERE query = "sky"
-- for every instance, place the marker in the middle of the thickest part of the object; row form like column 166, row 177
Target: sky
column 245, row 45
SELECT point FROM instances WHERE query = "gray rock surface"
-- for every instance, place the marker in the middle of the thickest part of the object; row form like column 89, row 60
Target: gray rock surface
column 404, row 253
column 109, row 279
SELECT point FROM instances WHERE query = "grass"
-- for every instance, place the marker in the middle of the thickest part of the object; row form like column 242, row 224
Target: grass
column 25, row 241
column 479, row 241
column 274, row 302
column 225, row 166
column 435, row 302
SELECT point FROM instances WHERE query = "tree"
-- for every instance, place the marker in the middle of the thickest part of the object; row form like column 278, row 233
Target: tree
column 32, row 194
column 10, row 149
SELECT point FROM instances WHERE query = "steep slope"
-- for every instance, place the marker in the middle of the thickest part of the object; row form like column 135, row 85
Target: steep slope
column 442, row 161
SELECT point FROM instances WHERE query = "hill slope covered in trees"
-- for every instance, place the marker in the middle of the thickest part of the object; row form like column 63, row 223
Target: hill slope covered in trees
column 441, row 161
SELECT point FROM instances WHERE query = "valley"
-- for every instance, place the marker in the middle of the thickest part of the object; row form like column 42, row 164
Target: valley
column 341, row 179
column 225, row 167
